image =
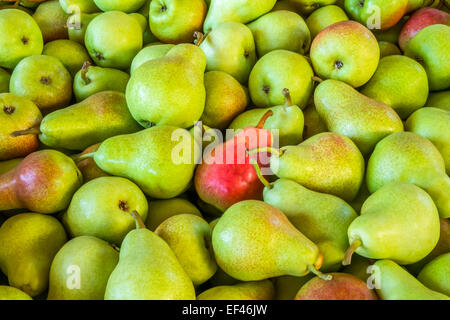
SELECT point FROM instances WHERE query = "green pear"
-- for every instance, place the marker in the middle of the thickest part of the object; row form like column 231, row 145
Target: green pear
column 361, row 197
column 286, row 123
column 321, row 217
column 395, row 283
column 24, row 38
column 120, row 5
column 277, row 70
column 102, row 208
column 52, row 20
column 70, row 53
column 414, row 5
column 79, row 6
column 30, row 241
column 102, row 39
column 189, row 237
column 11, row 293
column 225, row 99
column 308, row 6
column 254, row 290
column 154, row 51
column 8, row 165
column 429, row 48
column 435, row 274
column 150, row 159
column 241, row 248
column 148, row 270
column 327, row 162
column 4, row 81
column 433, row 124
column 77, row 25
column 230, row 48
column 147, row 35
column 155, row 89
column 313, row 123
column 388, row 49
column 398, row 222
column 348, row 112
column 90, row 80
column 324, row 17
column 408, row 157
column 440, row 100
column 44, row 80
column 399, row 82
column 280, row 30
column 160, row 210
column 286, row 287
column 242, row 11
column 345, row 51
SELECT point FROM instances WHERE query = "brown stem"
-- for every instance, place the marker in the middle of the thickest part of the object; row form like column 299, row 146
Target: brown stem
column 32, row 130
column 139, row 222
column 198, row 38
column 349, row 253
column 84, row 70
column 317, row 79
column 287, row 97
column 261, row 122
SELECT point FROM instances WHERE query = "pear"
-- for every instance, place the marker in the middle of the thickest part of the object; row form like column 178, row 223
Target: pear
column 44, row 80
column 235, row 10
column 254, row 290
column 88, row 167
column 81, row 269
column 440, row 100
column 391, row 34
column 189, row 237
column 323, row 218
column 91, row 79
column 433, row 124
column 102, row 35
column 286, row 123
column 345, row 51
column 286, row 287
column 433, row 53
column 43, row 182
column 24, row 37
column 408, row 157
column 175, row 21
column 148, row 270
column 324, row 17
column 120, row 5
column 388, row 85
column 102, row 208
column 11, row 293
column 7, row 165
column 150, row 159
column 398, row 222
column 280, row 30
column 17, row 113
column 30, row 241
column 313, row 123
column 52, row 20
column 277, row 70
column 4, row 81
column 435, row 274
column 286, row 5
column 150, row 52
column 241, row 248
column 70, row 53
column 160, row 210
column 77, row 25
column 327, row 162
column 395, row 283
column 308, row 6
column 347, row 112
column 86, row 6
column 152, row 97
column 388, row 49
column 230, row 48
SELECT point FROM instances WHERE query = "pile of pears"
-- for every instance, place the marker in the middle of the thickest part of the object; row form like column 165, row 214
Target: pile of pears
column 129, row 167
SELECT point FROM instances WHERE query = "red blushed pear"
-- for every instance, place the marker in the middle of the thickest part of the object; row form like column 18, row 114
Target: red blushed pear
column 226, row 175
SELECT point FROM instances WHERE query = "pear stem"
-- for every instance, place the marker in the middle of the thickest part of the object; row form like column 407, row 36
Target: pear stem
column 84, row 157
column 321, row 275
column 32, row 130
column 198, row 38
column 349, row 253
column 317, row 79
column 263, row 180
column 275, row 151
column 139, row 222
column 261, row 122
column 84, row 70
column 287, row 97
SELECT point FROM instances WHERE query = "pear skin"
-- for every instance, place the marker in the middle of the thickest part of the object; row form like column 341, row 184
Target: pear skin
column 255, row 290
column 160, row 210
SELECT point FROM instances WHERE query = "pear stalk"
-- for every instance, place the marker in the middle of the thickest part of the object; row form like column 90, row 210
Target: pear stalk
column 139, row 222
column 349, row 253
column 271, row 150
column 264, row 118
column 317, row 79
column 84, row 157
column 321, row 275
column 199, row 37
column 287, row 97
column 263, row 180
column 32, row 130
column 84, row 70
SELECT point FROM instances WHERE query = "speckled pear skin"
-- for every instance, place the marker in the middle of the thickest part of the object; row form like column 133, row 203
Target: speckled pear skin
column 11, row 293
column 153, row 97
column 435, row 275
column 254, row 290
column 398, row 222
column 145, row 158
column 397, row 284
column 102, row 115
column 95, row 258
column 43, row 182
column 148, row 270
column 17, row 113
column 408, row 157
column 30, row 241
column 160, row 210
column 241, row 248
column 327, row 162
column 321, row 217
column 347, row 112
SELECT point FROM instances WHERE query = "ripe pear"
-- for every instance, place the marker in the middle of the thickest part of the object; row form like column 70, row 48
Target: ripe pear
column 345, row 51
column 120, row 5
column 77, row 25
column 70, row 53
column 160, row 210
column 395, row 283
column 230, row 48
column 4, row 81
column 44, row 80
column 324, row 17
column 440, row 100
column 398, row 222
column 253, row 290
column 150, row 52
column 313, row 123
column 388, row 49
column 277, row 70
column 24, row 38
column 17, row 113
column 148, row 270
column 52, row 20
column 30, row 241
column 435, row 275
column 408, row 157
column 241, row 248
column 11, row 293
column 102, row 208
column 81, row 269
column 84, row 6
column 348, row 112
